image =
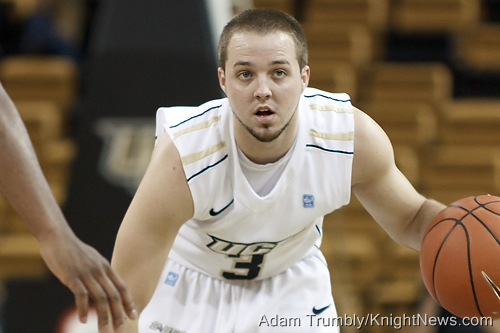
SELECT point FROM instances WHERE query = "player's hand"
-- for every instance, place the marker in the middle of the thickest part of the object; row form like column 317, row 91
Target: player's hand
column 88, row 275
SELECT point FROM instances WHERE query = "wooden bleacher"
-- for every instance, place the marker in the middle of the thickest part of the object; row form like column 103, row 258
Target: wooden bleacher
column 479, row 47
column 333, row 42
column 354, row 250
column 451, row 171
column 371, row 13
column 470, row 121
column 435, row 16
column 408, row 82
column 467, row 160
column 406, row 123
column 334, row 76
column 47, row 78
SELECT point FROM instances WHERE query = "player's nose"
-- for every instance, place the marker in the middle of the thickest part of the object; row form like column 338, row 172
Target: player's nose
column 262, row 90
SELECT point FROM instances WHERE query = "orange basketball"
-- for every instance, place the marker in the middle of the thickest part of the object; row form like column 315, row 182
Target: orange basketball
column 460, row 257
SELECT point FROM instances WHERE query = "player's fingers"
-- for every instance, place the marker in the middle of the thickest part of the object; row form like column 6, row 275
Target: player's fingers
column 100, row 299
column 113, row 298
column 81, row 300
column 126, row 299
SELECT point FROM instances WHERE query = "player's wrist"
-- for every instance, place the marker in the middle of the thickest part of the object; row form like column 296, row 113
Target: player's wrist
column 51, row 232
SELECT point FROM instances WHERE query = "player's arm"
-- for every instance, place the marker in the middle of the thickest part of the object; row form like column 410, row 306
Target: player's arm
column 383, row 190
column 78, row 266
column 160, row 206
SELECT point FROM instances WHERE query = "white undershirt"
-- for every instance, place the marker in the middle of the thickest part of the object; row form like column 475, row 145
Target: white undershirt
column 263, row 177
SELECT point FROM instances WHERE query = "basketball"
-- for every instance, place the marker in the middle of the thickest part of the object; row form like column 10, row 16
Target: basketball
column 460, row 257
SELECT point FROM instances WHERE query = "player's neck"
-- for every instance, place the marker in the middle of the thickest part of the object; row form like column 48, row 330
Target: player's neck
column 266, row 152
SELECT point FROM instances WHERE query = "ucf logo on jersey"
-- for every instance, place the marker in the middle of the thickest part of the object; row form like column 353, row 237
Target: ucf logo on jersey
column 248, row 258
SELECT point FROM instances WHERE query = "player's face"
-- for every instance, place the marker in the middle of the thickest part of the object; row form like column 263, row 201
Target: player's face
column 263, row 82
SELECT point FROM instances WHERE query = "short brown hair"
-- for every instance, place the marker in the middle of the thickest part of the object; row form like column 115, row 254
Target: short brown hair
column 263, row 21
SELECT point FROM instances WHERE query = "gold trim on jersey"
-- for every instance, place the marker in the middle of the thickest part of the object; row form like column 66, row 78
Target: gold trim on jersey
column 333, row 136
column 334, row 108
column 197, row 127
column 191, row 158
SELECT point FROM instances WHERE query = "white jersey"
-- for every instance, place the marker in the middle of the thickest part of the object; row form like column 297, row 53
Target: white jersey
column 236, row 234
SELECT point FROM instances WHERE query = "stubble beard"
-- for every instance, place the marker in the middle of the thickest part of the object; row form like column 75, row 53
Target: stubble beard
column 266, row 137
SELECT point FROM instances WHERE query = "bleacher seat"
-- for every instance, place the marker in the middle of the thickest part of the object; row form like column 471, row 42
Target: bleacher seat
column 339, row 43
column 49, row 78
column 333, row 77
column 371, row 13
column 479, row 47
column 470, row 121
column 411, row 82
column 406, row 123
column 451, row 172
column 435, row 15
column 356, row 253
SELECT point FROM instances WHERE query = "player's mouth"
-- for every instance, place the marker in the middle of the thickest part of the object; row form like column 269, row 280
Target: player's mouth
column 264, row 114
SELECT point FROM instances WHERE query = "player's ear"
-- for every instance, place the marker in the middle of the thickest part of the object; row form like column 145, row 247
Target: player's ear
column 305, row 75
column 222, row 78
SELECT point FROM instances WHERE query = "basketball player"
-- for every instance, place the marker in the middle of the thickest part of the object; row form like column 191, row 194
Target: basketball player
column 224, row 231
column 78, row 266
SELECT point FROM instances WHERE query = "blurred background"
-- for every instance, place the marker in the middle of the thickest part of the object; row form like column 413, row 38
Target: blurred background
column 88, row 75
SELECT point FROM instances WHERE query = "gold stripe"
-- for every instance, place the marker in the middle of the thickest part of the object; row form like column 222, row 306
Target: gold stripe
column 320, row 107
column 197, row 127
column 188, row 159
column 333, row 136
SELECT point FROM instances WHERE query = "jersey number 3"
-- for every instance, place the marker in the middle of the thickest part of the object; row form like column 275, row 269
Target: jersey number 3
column 253, row 266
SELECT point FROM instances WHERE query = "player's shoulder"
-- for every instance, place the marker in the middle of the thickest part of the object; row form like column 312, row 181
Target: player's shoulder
column 199, row 133
column 182, row 116
column 318, row 97
column 328, row 112
column 180, row 120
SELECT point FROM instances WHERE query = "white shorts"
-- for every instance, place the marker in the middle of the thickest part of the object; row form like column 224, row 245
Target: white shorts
column 297, row 300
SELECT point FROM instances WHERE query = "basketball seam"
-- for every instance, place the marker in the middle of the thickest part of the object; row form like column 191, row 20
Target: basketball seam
column 437, row 257
column 471, row 277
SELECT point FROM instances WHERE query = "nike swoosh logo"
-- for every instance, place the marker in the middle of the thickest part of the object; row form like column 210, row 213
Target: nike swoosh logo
column 319, row 311
column 214, row 213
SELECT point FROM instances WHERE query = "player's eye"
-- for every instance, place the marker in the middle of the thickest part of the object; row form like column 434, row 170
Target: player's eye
column 279, row 73
column 244, row 75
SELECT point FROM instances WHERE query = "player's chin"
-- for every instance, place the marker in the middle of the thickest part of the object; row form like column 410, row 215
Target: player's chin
column 266, row 135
